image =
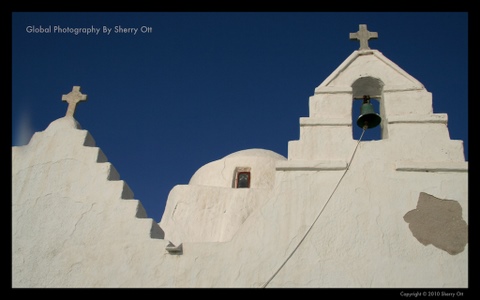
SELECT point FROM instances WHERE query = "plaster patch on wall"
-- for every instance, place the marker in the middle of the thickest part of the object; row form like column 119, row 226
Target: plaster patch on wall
column 438, row 222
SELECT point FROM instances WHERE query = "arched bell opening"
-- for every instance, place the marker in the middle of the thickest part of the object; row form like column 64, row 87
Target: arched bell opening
column 366, row 108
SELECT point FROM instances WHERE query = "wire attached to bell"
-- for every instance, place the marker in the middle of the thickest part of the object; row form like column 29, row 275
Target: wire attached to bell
column 368, row 117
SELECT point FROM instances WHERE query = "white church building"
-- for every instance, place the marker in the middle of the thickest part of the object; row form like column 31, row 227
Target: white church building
column 338, row 212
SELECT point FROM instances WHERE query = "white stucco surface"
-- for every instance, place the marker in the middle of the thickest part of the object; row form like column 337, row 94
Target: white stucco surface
column 220, row 173
column 210, row 208
column 329, row 215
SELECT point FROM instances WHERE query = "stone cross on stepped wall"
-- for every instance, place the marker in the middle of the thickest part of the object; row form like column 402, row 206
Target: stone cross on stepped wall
column 363, row 35
column 72, row 99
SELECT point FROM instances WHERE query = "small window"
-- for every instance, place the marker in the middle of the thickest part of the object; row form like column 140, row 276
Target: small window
column 243, row 179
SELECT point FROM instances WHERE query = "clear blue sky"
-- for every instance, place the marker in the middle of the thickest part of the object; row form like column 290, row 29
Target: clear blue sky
column 196, row 87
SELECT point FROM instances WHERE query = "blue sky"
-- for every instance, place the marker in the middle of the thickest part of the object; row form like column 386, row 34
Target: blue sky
column 195, row 87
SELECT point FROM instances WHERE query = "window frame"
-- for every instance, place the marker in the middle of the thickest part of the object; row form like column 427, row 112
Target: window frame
column 239, row 171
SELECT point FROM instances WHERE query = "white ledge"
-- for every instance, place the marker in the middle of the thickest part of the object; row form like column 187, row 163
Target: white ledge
column 333, row 90
column 443, row 166
column 316, row 165
column 401, row 88
column 307, row 121
column 434, row 118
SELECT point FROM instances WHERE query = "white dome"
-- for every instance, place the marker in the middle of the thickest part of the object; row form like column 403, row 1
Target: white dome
column 222, row 173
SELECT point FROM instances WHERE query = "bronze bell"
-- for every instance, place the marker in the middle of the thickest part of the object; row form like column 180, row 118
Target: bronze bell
column 368, row 117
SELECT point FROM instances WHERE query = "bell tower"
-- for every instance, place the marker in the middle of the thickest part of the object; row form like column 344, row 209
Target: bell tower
column 410, row 131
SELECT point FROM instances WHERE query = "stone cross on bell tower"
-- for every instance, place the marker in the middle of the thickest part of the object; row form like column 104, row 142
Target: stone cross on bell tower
column 72, row 99
column 363, row 35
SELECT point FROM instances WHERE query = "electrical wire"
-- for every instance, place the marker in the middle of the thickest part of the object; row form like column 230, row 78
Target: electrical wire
column 321, row 211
